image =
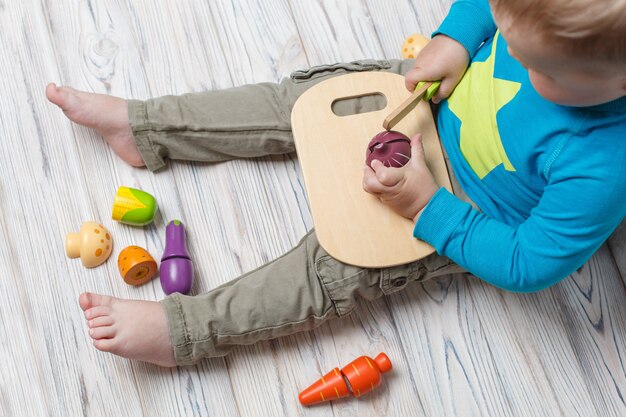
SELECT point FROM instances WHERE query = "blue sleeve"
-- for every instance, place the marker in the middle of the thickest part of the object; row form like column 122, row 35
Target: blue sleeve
column 469, row 22
column 583, row 202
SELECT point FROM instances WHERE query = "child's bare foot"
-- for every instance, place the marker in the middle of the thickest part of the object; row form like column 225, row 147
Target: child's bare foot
column 108, row 115
column 132, row 329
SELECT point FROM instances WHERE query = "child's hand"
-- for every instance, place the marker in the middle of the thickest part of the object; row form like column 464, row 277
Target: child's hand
column 443, row 59
column 406, row 190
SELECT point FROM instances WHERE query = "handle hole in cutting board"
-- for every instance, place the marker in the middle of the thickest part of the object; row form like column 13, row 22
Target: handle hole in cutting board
column 363, row 103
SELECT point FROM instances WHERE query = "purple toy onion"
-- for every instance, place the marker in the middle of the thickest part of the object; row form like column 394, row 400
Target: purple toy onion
column 392, row 148
column 176, row 270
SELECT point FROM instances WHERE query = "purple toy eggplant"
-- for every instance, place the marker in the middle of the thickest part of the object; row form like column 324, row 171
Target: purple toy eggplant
column 176, row 270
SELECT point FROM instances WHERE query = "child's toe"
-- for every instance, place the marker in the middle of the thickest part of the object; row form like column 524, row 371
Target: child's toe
column 105, row 345
column 104, row 332
column 51, row 92
column 88, row 300
column 100, row 321
column 84, row 300
column 97, row 311
column 65, row 98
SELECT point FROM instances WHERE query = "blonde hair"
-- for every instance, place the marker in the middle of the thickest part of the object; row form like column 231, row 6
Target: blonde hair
column 591, row 29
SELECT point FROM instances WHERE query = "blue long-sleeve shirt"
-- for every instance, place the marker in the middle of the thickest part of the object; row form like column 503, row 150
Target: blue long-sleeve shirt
column 550, row 180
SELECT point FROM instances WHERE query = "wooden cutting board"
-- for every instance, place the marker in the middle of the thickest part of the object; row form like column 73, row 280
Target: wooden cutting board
column 352, row 225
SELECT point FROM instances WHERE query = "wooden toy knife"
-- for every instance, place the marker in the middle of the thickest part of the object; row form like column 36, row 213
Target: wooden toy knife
column 425, row 90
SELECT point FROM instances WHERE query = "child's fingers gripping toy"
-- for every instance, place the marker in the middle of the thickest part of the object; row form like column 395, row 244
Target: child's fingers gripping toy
column 358, row 377
column 393, row 148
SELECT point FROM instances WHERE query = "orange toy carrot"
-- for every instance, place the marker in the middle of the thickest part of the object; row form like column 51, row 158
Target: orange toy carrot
column 357, row 378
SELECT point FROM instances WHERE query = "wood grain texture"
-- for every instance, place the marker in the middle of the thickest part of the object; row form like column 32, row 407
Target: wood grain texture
column 459, row 347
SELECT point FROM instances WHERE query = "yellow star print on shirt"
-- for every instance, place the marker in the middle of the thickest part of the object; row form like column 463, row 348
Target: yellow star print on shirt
column 480, row 140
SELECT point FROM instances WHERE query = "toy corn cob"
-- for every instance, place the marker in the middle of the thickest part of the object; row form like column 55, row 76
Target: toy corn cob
column 133, row 207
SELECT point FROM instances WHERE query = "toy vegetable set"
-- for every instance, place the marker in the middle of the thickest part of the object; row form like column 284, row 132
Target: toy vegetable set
column 93, row 244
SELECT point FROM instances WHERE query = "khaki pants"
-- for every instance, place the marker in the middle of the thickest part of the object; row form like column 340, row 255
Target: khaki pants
column 301, row 289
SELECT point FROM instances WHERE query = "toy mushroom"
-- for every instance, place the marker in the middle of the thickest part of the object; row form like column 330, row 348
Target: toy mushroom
column 92, row 243
column 412, row 45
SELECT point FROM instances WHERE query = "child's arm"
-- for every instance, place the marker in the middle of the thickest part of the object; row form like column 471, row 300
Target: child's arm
column 583, row 202
column 469, row 22
column 565, row 229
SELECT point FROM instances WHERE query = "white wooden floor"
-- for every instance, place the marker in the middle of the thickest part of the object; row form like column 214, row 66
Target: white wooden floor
column 459, row 347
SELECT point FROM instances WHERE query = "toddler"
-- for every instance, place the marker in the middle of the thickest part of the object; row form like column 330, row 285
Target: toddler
column 532, row 115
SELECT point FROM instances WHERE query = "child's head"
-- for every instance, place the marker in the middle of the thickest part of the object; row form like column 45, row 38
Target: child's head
column 574, row 50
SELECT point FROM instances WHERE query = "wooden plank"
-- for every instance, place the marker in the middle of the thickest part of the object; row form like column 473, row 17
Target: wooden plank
column 395, row 21
column 44, row 372
column 482, row 351
column 55, row 188
column 334, row 31
column 459, row 346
